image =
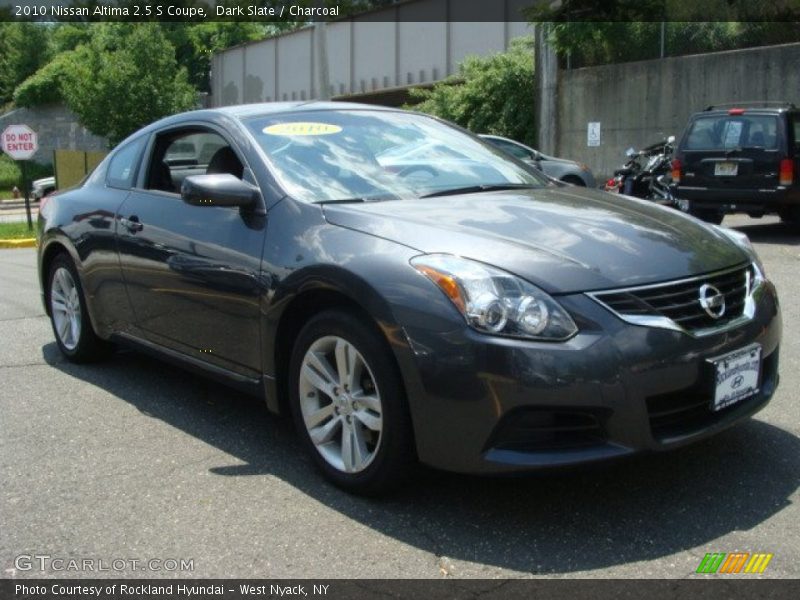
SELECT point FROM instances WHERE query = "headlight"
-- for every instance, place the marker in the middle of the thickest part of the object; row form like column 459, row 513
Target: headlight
column 493, row 301
column 741, row 240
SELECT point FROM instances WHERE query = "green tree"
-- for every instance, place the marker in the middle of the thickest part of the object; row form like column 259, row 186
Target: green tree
column 123, row 79
column 23, row 50
column 195, row 43
column 44, row 86
column 590, row 43
column 68, row 36
column 490, row 95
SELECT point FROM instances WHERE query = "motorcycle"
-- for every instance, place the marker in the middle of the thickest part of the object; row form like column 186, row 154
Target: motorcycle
column 646, row 174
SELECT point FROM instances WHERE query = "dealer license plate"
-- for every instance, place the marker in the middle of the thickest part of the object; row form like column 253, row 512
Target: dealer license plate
column 726, row 169
column 737, row 376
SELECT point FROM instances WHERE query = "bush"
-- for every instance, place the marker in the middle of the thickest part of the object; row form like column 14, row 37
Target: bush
column 11, row 175
column 490, row 95
column 44, row 86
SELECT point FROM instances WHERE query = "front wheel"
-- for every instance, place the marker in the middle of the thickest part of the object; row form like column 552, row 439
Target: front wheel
column 348, row 404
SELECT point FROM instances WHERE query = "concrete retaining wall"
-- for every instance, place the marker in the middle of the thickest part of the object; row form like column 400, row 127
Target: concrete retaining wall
column 639, row 103
column 404, row 45
column 58, row 128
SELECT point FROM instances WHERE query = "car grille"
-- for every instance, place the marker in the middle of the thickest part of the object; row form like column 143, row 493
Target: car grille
column 679, row 301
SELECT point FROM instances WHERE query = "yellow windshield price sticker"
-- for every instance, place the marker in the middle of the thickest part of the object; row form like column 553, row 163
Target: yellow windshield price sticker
column 296, row 129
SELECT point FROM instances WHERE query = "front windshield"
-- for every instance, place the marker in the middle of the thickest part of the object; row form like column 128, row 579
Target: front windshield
column 370, row 155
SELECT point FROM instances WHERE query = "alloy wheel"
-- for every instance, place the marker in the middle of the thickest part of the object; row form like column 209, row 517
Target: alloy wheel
column 340, row 404
column 65, row 305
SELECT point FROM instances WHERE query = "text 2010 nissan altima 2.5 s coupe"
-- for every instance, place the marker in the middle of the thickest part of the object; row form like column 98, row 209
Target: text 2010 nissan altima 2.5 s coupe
column 408, row 292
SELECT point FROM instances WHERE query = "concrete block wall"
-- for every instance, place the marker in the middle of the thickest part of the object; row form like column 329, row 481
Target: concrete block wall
column 639, row 103
column 57, row 128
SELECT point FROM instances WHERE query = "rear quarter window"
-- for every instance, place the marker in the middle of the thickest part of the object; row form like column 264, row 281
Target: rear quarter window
column 724, row 132
column 123, row 165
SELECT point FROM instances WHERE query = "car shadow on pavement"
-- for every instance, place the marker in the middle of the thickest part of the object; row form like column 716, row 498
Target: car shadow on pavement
column 560, row 522
column 782, row 234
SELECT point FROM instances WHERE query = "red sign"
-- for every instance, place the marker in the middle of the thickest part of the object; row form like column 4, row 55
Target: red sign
column 19, row 142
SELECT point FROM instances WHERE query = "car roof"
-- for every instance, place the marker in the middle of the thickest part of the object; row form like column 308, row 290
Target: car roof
column 245, row 111
column 491, row 136
column 242, row 112
column 768, row 110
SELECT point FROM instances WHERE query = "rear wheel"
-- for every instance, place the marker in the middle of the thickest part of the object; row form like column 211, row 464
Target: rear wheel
column 72, row 326
column 348, row 404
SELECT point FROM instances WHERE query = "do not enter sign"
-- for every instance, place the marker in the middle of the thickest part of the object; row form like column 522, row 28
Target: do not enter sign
column 19, row 142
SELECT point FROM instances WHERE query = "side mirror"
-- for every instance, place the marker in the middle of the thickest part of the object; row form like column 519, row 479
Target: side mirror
column 671, row 139
column 630, row 152
column 536, row 156
column 218, row 190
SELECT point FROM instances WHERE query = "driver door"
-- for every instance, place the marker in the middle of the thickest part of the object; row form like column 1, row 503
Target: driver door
column 192, row 272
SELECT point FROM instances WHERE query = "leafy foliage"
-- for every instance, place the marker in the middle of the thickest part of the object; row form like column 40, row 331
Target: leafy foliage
column 661, row 10
column 123, row 79
column 10, row 174
column 195, row 43
column 44, row 86
column 490, row 95
column 117, row 76
column 594, row 43
column 23, row 49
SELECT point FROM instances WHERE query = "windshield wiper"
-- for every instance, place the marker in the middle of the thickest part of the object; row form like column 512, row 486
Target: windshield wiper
column 474, row 189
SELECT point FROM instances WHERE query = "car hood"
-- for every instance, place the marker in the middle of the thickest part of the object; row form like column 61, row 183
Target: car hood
column 562, row 239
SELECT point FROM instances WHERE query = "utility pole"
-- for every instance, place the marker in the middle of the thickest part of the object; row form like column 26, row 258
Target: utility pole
column 323, row 74
column 545, row 91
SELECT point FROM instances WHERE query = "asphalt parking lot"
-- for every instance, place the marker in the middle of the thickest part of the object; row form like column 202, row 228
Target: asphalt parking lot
column 134, row 459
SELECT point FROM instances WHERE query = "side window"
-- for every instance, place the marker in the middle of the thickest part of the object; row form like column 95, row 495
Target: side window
column 122, row 167
column 701, row 135
column 796, row 125
column 514, row 150
column 179, row 154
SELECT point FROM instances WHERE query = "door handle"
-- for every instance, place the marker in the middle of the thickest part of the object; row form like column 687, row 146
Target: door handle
column 132, row 223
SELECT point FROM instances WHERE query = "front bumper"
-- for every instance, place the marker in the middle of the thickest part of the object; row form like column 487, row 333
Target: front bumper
column 482, row 404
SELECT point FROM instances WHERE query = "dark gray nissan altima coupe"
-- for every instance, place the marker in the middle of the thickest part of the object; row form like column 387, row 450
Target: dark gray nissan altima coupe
column 409, row 293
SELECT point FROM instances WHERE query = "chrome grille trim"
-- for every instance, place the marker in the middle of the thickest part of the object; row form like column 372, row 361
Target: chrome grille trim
column 753, row 280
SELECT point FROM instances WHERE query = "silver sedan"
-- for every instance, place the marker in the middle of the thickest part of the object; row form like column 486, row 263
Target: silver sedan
column 562, row 169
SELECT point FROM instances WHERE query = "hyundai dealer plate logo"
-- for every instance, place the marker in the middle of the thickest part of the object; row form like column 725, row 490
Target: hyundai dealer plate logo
column 712, row 301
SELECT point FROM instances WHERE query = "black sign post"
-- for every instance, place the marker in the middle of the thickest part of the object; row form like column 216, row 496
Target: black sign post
column 26, row 191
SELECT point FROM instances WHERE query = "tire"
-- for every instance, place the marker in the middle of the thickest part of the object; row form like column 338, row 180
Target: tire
column 790, row 216
column 71, row 323
column 362, row 440
column 709, row 215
